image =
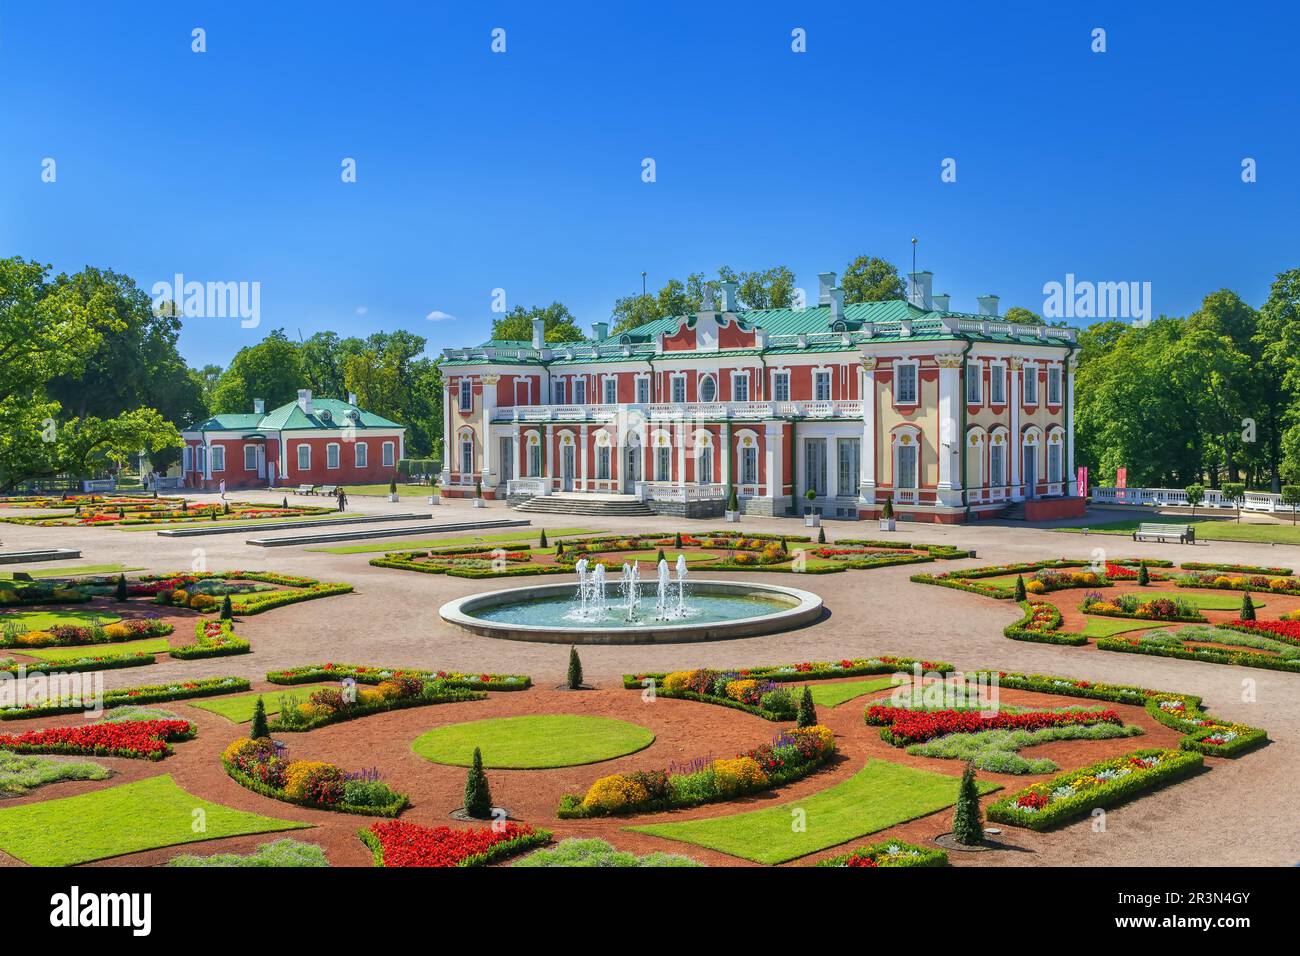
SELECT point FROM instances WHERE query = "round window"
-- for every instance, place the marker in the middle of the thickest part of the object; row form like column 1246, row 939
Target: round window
column 708, row 389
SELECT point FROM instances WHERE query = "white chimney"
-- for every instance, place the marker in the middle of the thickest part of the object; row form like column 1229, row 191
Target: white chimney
column 352, row 398
column 941, row 302
column 259, row 406
column 729, row 302
column 304, row 400
column 539, row 333
column 825, row 282
column 921, row 293
column 989, row 305
column 837, row 305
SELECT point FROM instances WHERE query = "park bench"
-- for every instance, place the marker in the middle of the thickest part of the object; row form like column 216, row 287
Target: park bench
column 1185, row 534
column 330, row 490
column 305, row 490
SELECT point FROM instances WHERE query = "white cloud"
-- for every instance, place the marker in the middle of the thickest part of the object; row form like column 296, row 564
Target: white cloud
column 362, row 309
column 439, row 316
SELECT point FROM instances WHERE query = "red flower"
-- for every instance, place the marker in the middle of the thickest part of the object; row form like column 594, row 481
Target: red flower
column 914, row 726
column 127, row 738
column 409, row 844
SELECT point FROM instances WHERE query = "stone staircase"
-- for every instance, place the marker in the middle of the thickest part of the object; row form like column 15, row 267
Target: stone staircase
column 1014, row 512
column 564, row 503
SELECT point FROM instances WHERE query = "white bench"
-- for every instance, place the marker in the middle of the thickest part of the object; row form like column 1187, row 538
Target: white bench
column 305, row 490
column 1185, row 534
column 330, row 490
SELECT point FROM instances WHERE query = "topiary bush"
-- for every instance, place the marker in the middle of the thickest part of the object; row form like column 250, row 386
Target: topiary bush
column 575, row 670
column 1247, row 608
column 478, row 796
column 258, row 728
column 807, row 709
column 967, row 821
column 1020, row 587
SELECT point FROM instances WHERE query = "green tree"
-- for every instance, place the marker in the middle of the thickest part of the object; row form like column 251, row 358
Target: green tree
column 1020, row 588
column 517, row 324
column 1144, row 576
column 478, row 795
column 227, row 612
column 270, row 370
column 1247, row 608
column 259, row 727
column 1235, row 492
column 1195, row 495
column 575, row 670
column 1291, row 498
column 807, row 709
column 871, row 279
column 1017, row 315
column 120, row 590
column 967, row 819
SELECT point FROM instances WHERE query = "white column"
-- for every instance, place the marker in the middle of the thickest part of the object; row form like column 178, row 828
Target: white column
column 726, row 453
column 583, row 455
column 1071, row 475
column 867, row 458
column 515, row 468
column 682, row 438
column 949, row 425
column 773, row 459
column 1014, row 397
column 448, row 439
column 489, row 406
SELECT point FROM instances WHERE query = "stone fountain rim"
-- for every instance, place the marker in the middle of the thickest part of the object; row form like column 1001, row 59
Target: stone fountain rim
column 806, row 608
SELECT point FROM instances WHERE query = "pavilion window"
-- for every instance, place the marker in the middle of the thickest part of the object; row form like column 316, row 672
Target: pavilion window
column 218, row 457
column 905, row 387
column 781, row 386
column 304, row 457
column 466, row 395
column 663, row 463
column 389, row 454
column 331, row 455
column 740, row 387
column 611, row 391
column 1054, row 386
column 360, row 454
column 749, row 465
column 250, row 458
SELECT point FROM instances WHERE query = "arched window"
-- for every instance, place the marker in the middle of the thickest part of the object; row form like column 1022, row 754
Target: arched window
column 708, row 388
column 467, row 453
column 907, row 458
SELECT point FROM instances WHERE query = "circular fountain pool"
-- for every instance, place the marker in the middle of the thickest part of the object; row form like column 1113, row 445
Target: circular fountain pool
column 710, row 611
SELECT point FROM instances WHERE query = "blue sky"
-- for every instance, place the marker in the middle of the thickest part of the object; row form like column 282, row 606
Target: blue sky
column 522, row 170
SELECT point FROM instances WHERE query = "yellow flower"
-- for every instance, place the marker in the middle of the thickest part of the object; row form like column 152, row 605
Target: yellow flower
column 739, row 773
column 614, row 792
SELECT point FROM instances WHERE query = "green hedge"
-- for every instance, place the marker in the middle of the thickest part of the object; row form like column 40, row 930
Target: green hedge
column 148, row 694
column 374, row 674
column 909, row 855
column 1020, row 631
column 81, row 664
column 205, row 646
column 780, row 673
column 399, row 802
column 494, row 853
column 1213, row 655
column 452, row 695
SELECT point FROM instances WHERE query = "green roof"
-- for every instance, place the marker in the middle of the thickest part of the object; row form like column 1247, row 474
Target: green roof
column 326, row 413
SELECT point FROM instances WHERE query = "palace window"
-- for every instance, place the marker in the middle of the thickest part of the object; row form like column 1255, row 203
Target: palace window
column 849, row 462
column 997, row 465
column 361, row 454
column 740, row 386
column 304, row 457
column 1054, row 385
column 466, row 454
column 1054, row 461
column 602, row 461
column 611, row 391
column 905, row 385
column 998, row 384
column 679, row 389
column 663, row 463
column 974, row 384
column 331, row 455
column 643, row 389
column 580, row 391
column 218, row 457
column 466, row 394
column 749, row 465
column 815, row 465
column 389, row 454
column 781, row 386
column 906, row 466
column 557, row 391
column 708, row 389
column 535, row 460
column 704, row 466
column 250, row 458
column 821, row 386
column 1031, row 384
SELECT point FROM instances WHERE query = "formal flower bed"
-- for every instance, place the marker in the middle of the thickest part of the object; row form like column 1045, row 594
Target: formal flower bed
column 171, row 590
column 397, row 843
column 1103, row 784
column 790, row 756
column 901, row 726
column 892, row 853
column 1204, row 733
column 1245, row 645
column 90, row 662
column 34, row 593
column 756, row 690
column 1134, row 606
column 1239, row 582
column 1043, row 576
column 127, row 511
column 260, row 765
column 374, row 674
column 1041, row 625
column 68, row 635
column 1281, row 630
column 148, row 694
column 212, row 639
column 149, row 739
column 331, row 705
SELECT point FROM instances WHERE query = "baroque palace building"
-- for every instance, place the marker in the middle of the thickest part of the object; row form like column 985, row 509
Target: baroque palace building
column 954, row 416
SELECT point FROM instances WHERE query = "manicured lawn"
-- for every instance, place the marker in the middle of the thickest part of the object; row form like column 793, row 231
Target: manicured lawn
column 144, row 815
column 44, row 620
column 1108, row 626
column 239, row 709
column 526, row 743
column 529, row 535
column 74, row 571
column 832, row 695
column 149, row 645
column 1216, row 529
column 235, row 522
column 878, row 796
column 1204, row 599
column 403, row 490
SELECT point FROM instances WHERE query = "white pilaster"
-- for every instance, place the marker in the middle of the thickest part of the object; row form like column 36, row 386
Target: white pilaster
column 949, row 488
column 774, row 457
column 1014, row 398
column 489, row 406
column 726, row 454
column 582, row 454
column 1071, row 475
column 448, row 438
column 867, row 458
column 515, row 468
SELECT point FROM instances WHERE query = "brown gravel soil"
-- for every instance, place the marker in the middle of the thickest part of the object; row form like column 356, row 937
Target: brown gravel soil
column 681, row 729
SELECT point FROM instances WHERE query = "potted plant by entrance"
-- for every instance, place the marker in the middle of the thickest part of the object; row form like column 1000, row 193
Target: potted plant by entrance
column 434, row 497
column 887, row 515
column 392, row 490
column 733, row 506
column 811, row 519
column 478, row 494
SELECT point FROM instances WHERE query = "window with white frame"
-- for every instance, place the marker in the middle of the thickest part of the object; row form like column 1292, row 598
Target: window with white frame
column 905, row 383
column 643, row 389
column 974, row 384
column 602, row 461
column 749, row 465
column 218, row 457
column 997, row 465
column 780, row 386
column 1054, row 385
column 740, row 386
column 610, row 396
column 201, row 459
column 557, row 391
column 187, row 459
column 850, row 456
column 663, row 463
column 466, row 395
column 1031, row 384
column 708, row 389
column 580, row 391
column 1054, row 461
column 331, row 455
column 821, row 386
column 998, row 384
column 906, row 466
column 535, row 459
column 389, row 452
column 304, row 457
column 361, row 454
column 679, row 389
column 250, row 458
column 466, row 454
column 704, row 465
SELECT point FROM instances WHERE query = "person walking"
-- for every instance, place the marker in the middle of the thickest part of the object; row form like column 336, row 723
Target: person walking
column 343, row 500
column 222, row 487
